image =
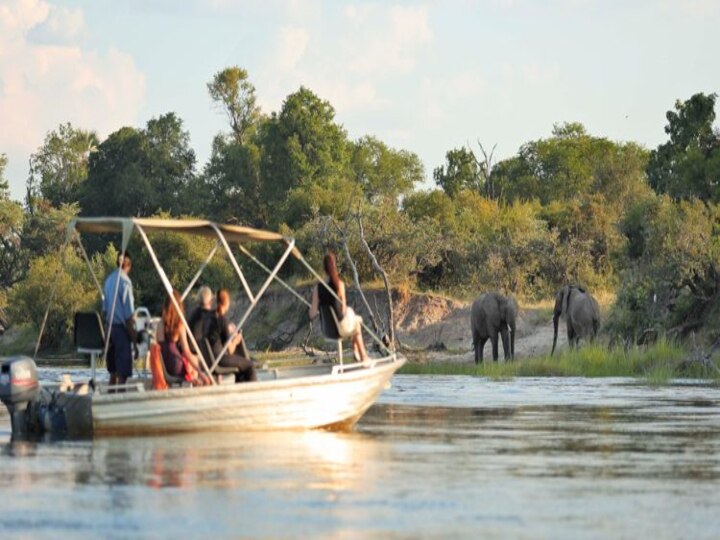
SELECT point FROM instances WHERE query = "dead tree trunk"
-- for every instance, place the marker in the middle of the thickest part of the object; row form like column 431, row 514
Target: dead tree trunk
column 356, row 281
column 379, row 269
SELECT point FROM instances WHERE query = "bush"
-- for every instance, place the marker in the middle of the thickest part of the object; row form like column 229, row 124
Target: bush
column 74, row 291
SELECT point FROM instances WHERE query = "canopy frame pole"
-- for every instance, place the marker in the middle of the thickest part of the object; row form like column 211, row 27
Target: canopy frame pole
column 254, row 301
column 201, row 270
column 268, row 271
column 169, row 290
column 89, row 264
column 234, row 263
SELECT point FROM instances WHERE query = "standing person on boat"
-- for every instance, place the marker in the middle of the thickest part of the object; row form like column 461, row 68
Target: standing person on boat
column 118, row 309
column 178, row 358
column 350, row 324
column 222, row 332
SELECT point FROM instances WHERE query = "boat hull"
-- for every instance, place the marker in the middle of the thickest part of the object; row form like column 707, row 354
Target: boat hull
column 333, row 400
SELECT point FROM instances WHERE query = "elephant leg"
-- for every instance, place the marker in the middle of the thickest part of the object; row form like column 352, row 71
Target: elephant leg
column 480, row 347
column 477, row 349
column 494, row 340
column 571, row 336
column 505, row 342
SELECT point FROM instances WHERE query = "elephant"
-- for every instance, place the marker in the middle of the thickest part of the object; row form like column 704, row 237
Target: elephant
column 493, row 313
column 581, row 312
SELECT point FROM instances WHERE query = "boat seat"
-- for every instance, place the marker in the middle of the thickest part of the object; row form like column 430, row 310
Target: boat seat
column 220, row 372
column 89, row 336
column 330, row 327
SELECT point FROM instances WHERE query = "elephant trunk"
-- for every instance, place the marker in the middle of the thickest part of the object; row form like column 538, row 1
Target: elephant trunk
column 556, row 320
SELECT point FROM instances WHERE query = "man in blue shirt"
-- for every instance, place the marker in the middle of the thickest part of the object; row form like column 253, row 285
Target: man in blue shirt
column 119, row 357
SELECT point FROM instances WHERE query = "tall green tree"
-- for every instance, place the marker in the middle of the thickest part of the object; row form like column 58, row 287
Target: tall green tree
column 229, row 189
column 461, row 171
column 234, row 93
column 688, row 165
column 4, row 186
column 140, row 172
column 302, row 145
column 384, row 172
column 60, row 165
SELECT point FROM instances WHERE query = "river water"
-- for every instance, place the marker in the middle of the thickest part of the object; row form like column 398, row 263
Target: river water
column 436, row 457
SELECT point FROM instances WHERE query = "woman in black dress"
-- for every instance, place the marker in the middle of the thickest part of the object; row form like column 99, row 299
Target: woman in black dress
column 350, row 324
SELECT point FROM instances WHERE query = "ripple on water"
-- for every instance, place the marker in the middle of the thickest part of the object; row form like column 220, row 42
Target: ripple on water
column 437, row 456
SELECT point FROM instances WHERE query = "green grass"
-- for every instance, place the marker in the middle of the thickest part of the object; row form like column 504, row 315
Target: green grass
column 657, row 364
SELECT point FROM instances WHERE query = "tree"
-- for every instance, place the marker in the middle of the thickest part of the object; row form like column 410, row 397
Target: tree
column 383, row 172
column 688, row 165
column 301, row 145
column 12, row 260
column 4, row 186
column 170, row 162
column 230, row 185
column 232, row 91
column 60, row 166
column 461, row 171
column 140, row 172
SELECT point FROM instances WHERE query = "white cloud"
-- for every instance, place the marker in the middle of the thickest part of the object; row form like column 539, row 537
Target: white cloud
column 693, row 7
column 62, row 25
column 55, row 80
column 388, row 41
column 291, row 48
column 345, row 66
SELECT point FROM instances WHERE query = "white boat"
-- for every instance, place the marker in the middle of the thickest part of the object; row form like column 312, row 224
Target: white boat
column 314, row 395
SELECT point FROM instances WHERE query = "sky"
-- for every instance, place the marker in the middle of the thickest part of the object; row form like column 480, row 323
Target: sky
column 421, row 76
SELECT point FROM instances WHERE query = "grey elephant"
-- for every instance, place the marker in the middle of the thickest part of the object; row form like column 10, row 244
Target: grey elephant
column 581, row 312
column 493, row 313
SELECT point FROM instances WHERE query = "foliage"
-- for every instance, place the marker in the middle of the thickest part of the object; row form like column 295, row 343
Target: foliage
column 4, row 186
column 11, row 254
column 572, row 164
column 231, row 90
column 60, row 165
column 383, row 172
column 68, row 277
column 140, row 172
column 230, row 188
column 460, row 172
column 301, row 146
column 688, row 165
column 671, row 279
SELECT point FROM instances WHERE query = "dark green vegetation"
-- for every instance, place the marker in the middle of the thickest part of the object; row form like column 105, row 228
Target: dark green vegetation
column 569, row 208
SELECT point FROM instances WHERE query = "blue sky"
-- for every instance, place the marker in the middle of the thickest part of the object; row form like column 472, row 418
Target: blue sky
column 423, row 76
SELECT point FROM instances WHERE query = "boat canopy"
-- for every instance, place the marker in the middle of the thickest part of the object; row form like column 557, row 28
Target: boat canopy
column 224, row 235
column 199, row 227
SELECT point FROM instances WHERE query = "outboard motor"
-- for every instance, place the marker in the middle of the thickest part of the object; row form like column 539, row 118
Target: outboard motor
column 18, row 388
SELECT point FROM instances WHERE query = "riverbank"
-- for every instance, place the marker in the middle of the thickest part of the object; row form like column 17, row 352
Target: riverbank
column 434, row 332
column 657, row 364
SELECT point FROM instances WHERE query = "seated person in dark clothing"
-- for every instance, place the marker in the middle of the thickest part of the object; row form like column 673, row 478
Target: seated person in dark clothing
column 221, row 333
column 201, row 319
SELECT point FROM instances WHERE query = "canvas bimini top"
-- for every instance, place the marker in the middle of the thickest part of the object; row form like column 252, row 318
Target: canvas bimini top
column 199, row 227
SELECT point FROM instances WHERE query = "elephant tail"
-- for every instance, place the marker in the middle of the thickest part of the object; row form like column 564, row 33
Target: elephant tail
column 556, row 320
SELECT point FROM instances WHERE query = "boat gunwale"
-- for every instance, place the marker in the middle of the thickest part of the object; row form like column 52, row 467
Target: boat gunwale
column 351, row 372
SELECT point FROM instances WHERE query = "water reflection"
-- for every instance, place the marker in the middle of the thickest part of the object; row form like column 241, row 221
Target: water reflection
column 436, row 457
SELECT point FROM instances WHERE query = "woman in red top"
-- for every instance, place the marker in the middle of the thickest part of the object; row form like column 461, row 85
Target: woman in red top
column 177, row 355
